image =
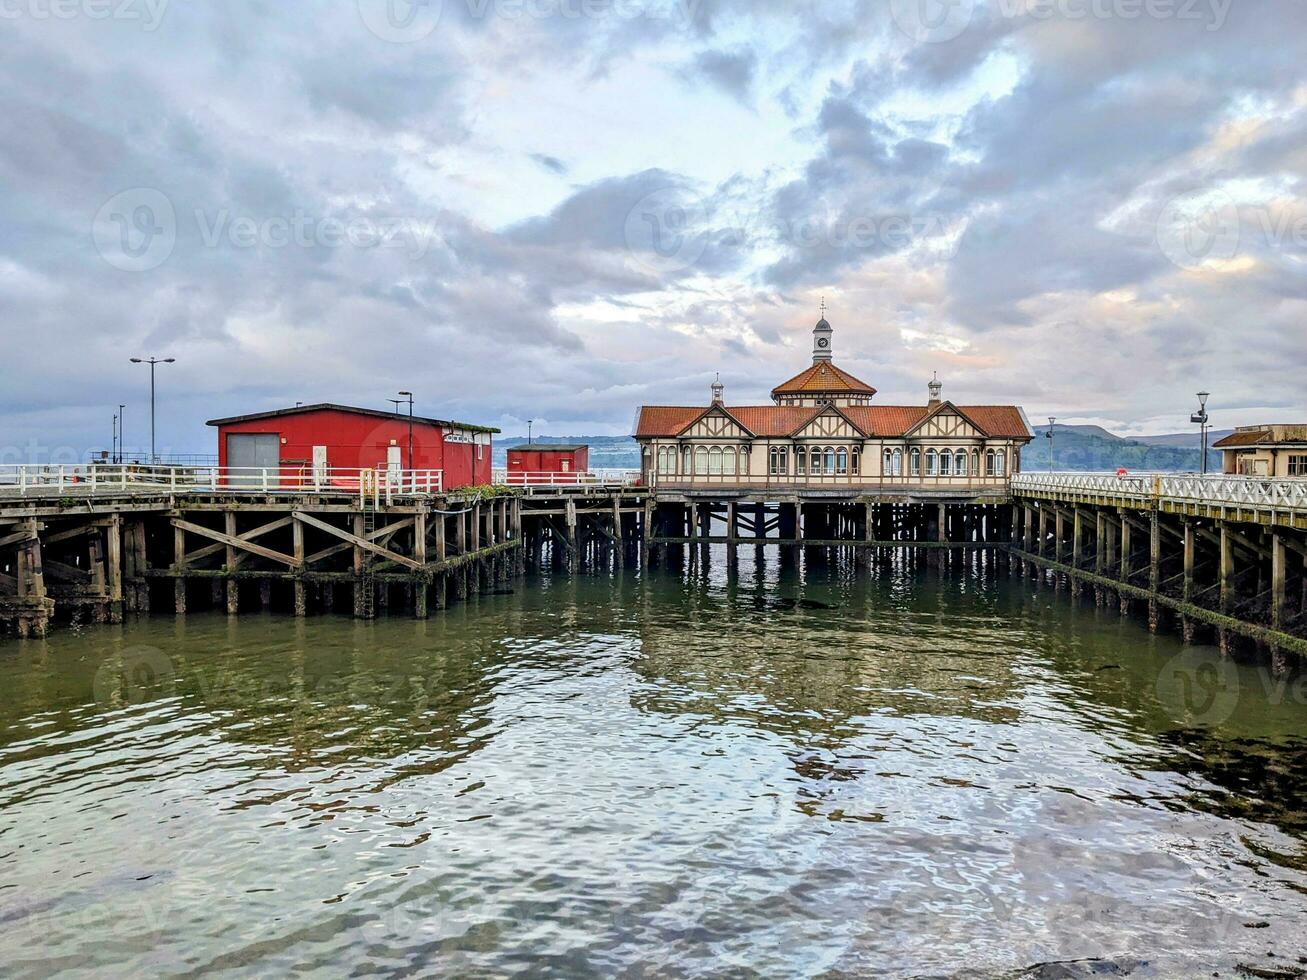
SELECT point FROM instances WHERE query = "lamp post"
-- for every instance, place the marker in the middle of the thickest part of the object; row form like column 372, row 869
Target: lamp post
column 409, row 395
column 152, row 361
column 113, row 452
column 1052, row 461
column 122, row 444
column 530, row 423
column 1201, row 419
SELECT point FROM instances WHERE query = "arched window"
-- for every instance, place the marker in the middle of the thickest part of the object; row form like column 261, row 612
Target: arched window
column 728, row 461
column 715, row 461
column 975, row 461
column 915, row 458
column 779, row 461
column 687, row 461
column 701, row 461
column 989, row 462
column 960, row 462
column 662, row 461
column 932, row 463
column 1000, row 463
column 842, row 461
column 888, row 468
column 898, row 462
column 828, row 464
column 801, row 461
column 945, row 463
column 855, row 461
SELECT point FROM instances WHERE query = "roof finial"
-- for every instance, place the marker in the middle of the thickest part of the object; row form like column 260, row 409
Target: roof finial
column 823, row 307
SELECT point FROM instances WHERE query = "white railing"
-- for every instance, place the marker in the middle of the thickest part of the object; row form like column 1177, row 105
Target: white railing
column 598, row 479
column 103, row 478
column 1217, row 490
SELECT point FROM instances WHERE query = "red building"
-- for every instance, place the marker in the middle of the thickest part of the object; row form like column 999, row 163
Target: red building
column 321, row 438
column 552, row 463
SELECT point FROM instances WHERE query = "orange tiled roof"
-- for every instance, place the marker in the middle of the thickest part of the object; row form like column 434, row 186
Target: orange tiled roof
column 998, row 421
column 775, row 420
column 664, row 420
column 885, row 420
column 821, row 378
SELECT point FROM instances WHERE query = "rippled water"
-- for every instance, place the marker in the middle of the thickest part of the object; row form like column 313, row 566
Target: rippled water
column 768, row 773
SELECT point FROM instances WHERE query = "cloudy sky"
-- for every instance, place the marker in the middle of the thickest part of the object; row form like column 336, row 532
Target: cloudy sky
column 560, row 209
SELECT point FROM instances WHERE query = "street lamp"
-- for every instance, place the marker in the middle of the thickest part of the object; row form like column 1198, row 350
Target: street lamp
column 1052, row 461
column 122, row 444
column 409, row 396
column 152, row 361
column 1201, row 419
column 529, row 424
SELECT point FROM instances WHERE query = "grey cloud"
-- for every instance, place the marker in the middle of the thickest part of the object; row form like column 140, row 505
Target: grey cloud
column 731, row 71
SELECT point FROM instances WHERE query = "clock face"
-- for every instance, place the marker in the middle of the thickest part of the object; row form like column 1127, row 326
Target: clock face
column 823, row 343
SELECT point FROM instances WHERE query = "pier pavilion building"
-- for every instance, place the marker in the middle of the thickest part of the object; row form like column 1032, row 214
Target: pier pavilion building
column 823, row 431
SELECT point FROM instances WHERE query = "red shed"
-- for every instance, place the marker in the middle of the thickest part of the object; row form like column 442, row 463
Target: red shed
column 317, row 438
column 547, row 462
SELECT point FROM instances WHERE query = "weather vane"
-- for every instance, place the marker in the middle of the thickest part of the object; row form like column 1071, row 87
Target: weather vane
column 823, row 307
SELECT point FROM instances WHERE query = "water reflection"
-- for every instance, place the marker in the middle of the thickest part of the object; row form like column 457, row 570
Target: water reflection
column 752, row 768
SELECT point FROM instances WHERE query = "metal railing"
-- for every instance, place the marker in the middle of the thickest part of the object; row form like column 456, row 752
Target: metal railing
column 1216, row 490
column 594, row 479
column 104, row 478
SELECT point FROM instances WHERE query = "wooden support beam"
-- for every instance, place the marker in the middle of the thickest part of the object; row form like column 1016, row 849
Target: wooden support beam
column 229, row 539
column 213, row 549
column 420, row 555
column 357, row 541
column 440, row 537
column 1226, row 575
column 1190, row 559
column 179, row 553
column 76, row 532
column 381, row 536
column 20, row 537
column 1127, row 546
column 301, row 592
column 1279, row 581
column 113, row 535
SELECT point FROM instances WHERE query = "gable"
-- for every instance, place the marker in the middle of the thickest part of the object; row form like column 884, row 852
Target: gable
column 715, row 424
column 947, row 423
column 828, row 425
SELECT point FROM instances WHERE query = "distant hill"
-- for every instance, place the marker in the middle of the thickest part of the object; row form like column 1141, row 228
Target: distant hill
column 1081, row 448
column 1078, row 448
column 1185, row 440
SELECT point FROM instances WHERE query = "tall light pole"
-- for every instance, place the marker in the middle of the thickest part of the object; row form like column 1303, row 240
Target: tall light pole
column 122, row 444
column 530, row 424
column 1201, row 419
column 113, row 452
column 1052, row 461
column 152, row 361
column 409, row 395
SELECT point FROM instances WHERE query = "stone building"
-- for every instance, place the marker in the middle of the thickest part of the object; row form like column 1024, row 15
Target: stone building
column 1266, row 450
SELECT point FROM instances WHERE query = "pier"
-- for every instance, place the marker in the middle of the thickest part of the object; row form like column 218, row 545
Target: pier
column 97, row 543
column 1220, row 558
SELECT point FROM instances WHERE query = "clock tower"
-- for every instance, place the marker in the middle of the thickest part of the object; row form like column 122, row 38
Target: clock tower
column 822, row 342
